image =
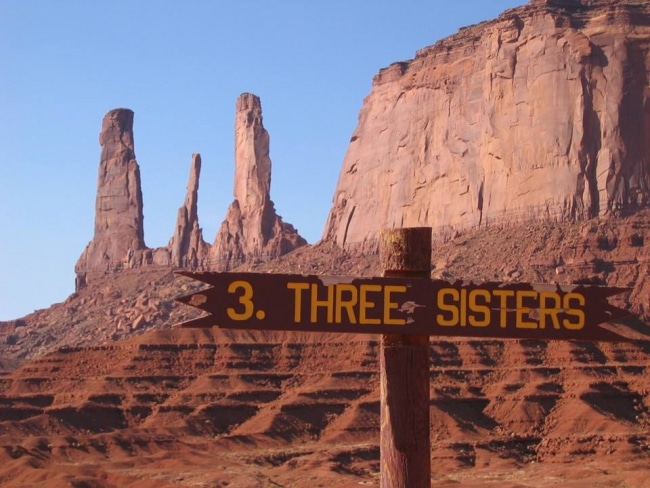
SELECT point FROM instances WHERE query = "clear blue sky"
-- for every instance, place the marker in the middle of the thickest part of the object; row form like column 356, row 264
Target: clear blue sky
column 180, row 65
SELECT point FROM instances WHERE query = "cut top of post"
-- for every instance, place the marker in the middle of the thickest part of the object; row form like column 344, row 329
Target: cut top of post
column 406, row 250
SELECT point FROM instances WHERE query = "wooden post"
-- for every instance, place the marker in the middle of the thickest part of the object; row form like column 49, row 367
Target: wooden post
column 405, row 449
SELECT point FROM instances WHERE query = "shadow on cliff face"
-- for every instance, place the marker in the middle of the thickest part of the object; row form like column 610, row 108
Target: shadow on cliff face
column 635, row 127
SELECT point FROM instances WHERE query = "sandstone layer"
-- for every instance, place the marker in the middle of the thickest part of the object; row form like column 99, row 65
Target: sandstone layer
column 189, row 408
column 118, row 240
column 252, row 229
column 541, row 114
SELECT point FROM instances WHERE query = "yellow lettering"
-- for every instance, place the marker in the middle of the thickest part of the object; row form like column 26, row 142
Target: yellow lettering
column 577, row 314
column 445, row 307
column 503, row 305
column 348, row 305
column 328, row 303
column 463, row 307
column 477, row 309
column 522, row 312
column 245, row 299
column 365, row 304
column 388, row 305
column 297, row 298
column 549, row 311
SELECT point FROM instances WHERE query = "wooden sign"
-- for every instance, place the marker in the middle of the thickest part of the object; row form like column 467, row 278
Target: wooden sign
column 408, row 306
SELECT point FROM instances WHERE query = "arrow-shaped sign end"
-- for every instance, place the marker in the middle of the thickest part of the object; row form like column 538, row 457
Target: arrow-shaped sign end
column 197, row 299
column 628, row 328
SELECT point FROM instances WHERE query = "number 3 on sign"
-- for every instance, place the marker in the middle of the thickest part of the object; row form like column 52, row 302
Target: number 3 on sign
column 245, row 289
column 245, row 300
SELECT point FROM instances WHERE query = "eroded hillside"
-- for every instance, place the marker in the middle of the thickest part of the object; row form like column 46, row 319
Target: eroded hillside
column 186, row 408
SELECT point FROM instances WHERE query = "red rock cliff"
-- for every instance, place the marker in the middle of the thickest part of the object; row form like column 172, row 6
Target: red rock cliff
column 543, row 113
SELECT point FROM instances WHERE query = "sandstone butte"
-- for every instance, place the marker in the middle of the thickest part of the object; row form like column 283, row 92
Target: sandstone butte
column 252, row 231
column 540, row 114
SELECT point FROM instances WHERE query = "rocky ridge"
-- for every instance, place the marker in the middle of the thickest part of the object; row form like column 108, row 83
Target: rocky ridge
column 613, row 252
column 251, row 230
column 541, row 114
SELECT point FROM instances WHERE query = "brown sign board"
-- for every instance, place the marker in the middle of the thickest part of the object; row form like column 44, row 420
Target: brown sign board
column 410, row 306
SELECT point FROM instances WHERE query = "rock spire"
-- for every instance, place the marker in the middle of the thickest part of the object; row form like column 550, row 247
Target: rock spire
column 252, row 230
column 118, row 240
column 187, row 247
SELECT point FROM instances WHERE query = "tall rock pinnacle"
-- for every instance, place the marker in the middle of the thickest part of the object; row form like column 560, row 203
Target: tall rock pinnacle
column 187, row 247
column 119, row 231
column 252, row 230
column 252, row 161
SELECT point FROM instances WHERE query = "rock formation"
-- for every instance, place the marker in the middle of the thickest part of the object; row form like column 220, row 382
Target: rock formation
column 541, row 114
column 187, row 247
column 252, row 230
column 118, row 240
